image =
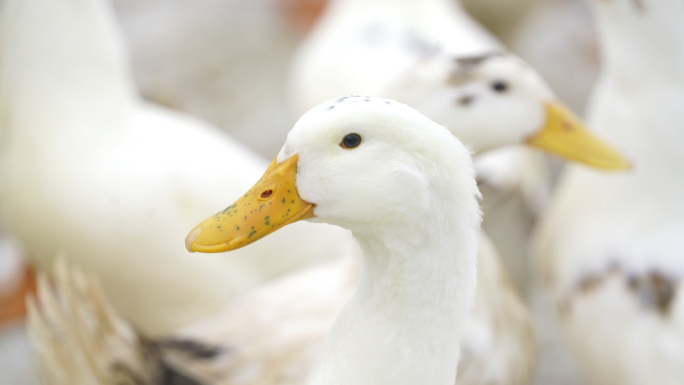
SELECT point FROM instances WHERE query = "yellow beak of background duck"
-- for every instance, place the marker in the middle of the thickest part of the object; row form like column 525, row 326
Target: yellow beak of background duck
column 272, row 203
column 565, row 135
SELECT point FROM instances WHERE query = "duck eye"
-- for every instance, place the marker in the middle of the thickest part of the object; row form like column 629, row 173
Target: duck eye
column 351, row 141
column 500, row 86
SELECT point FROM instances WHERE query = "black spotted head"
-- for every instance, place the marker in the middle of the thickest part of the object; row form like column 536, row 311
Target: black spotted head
column 493, row 100
column 488, row 100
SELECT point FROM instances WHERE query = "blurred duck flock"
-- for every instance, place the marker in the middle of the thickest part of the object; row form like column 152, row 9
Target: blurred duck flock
column 472, row 193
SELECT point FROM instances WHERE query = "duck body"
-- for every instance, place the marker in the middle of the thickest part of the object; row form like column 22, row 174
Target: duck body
column 610, row 245
column 85, row 162
column 282, row 326
column 499, row 345
column 271, row 336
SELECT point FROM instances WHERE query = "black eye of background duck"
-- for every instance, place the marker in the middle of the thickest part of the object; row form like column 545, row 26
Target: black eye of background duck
column 351, row 141
column 500, row 86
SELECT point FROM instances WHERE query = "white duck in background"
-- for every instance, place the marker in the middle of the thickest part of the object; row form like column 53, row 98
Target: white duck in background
column 417, row 229
column 502, row 17
column 492, row 101
column 91, row 170
column 611, row 246
column 362, row 47
column 272, row 335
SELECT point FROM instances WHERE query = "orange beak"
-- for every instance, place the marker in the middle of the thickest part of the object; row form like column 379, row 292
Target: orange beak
column 272, row 203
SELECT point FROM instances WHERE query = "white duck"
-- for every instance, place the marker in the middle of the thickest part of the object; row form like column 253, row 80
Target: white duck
column 362, row 47
column 612, row 247
column 273, row 334
column 417, row 228
column 91, row 170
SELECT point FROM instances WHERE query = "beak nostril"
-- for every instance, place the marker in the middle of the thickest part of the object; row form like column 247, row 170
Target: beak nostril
column 266, row 194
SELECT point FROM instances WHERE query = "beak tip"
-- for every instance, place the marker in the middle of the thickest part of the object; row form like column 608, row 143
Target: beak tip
column 191, row 238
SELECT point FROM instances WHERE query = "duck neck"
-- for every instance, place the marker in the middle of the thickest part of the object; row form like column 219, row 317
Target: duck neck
column 642, row 37
column 639, row 98
column 63, row 72
column 405, row 321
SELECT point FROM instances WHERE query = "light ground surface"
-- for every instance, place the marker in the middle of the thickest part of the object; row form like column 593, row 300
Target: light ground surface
column 226, row 61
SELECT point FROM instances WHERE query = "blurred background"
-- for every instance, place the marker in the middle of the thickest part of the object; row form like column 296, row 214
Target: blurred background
column 227, row 62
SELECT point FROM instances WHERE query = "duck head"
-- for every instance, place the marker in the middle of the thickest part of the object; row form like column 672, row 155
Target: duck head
column 495, row 100
column 365, row 164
